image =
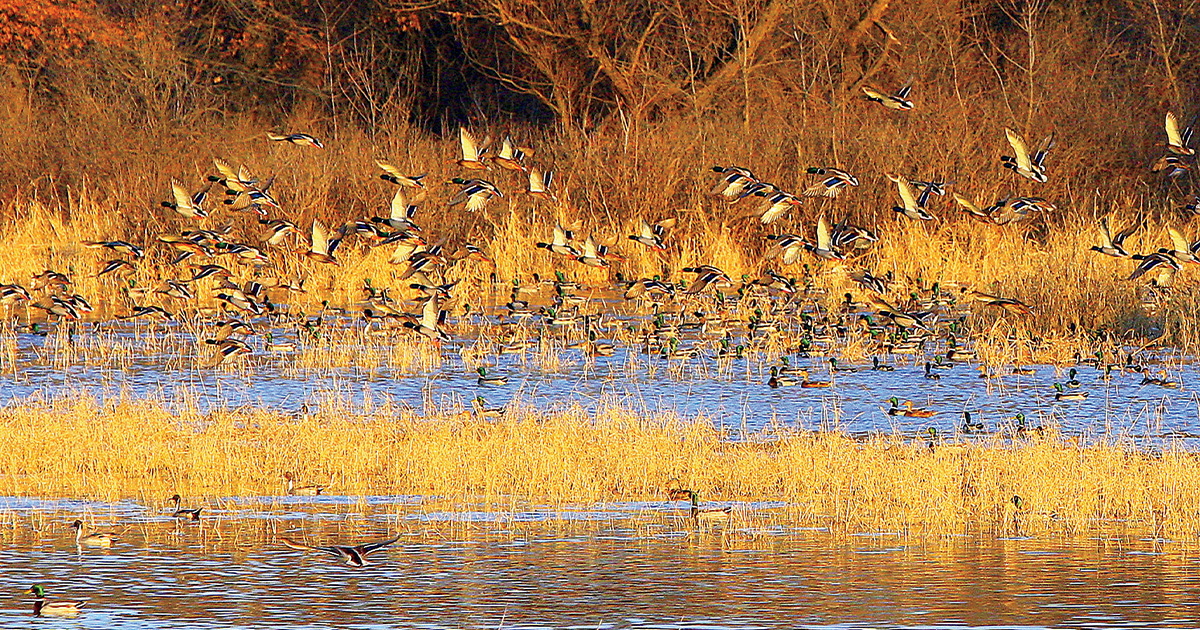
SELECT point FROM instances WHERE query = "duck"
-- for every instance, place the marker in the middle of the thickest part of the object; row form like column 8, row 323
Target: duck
column 193, row 514
column 831, row 184
column 1161, row 380
column 481, row 410
column 781, row 380
column 185, row 203
column 1024, row 430
column 46, row 608
column 881, row 367
column 834, row 367
column 824, row 248
column 1061, row 394
column 1023, row 371
column 396, row 176
column 322, row 247
column 474, row 194
column 908, row 410
column 429, row 324
column 898, row 101
column 652, row 235
column 1032, row 167
column 353, row 555
column 1073, row 383
column 484, row 379
column 707, row 513
column 302, row 491
column 539, row 184
column 972, row 428
column 473, row 154
column 1114, row 245
column 300, row 139
column 1177, row 141
column 911, row 206
column 274, row 346
column 512, row 157
column 94, row 539
column 930, row 374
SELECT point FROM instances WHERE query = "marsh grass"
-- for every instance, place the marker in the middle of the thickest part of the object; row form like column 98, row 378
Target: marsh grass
column 124, row 449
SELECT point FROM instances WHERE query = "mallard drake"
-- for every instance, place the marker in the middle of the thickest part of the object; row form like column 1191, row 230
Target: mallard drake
column 777, row 203
column 137, row 312
column 274, row 346
column 1061, row 394
column 780, row 380
column 396, row 176
column 481, row 410
column 1024, row 430
column 707, row 513
column 898, row 101
column 185, row 203
column 401, row 211
column 1114, row 245
column 117, row 267
column 300, row 139
column 786, row 247
column 475, row 194
column 1163, row 260
column 707, row 276
column 972, row 428
column 322, row 248
column 1177, row 141
column 355, row 556
column 275, row 231
column 1032, row 167
column 908, row 410
column 560, row 243
column 229, row 350
column 192, row 514
column 121, row 247
column 94, row 539
column 877, row 366
column 929, row 373
column 301, row 491
column 1181, row 247
column 824, row 247
column 472, row 152
column 1072, row 383
column 484, row 379
column 832, row 182
column 45, row 608
column 592, row 255
column 834, row 367
column 733, row 182
column 911, row 206
column 429, row 325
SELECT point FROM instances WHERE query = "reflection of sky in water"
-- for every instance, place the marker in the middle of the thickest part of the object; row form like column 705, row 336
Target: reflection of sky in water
column 613, row 565
column 735, row 396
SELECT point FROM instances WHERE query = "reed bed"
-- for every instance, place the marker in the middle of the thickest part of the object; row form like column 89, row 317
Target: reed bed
column 147, row 450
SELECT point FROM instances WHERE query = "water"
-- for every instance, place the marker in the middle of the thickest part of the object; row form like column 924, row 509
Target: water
column 116, row 359
column 640, row 565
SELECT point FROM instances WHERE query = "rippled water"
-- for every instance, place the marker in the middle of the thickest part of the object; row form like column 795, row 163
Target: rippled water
column 636, row 565
column 731, row 392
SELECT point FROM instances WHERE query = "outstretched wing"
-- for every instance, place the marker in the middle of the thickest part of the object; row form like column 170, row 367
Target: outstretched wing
column 1020, row 148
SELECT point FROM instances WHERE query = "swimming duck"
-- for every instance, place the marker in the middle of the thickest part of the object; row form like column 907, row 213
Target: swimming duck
column 707, row 513
column 45, row 608
column 95, row 539
column 355, row 556
column 972, row 428
column 1073, row 383
column 834, row 367
column 484, row 379
column 929, row 373
column 1161, row 380
column 881, row 367
column 193, row 514
column 481, row 410
column 908, row 410
column 302, row 491
column 1061, row 394
column 780, row 380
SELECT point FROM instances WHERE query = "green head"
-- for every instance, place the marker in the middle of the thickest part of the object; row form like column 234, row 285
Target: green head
column 482, row 371
column 741, row 350
column 36, row 590
column 774, row 372
column 1058, row 387
column 1072, row 373
column 1021, row 420
column 1018, row 502
column 694, row 497
column 895, row 401
column 932, row 431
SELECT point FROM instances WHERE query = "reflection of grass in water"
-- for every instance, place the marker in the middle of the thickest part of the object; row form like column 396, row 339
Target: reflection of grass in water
column 150, row 450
